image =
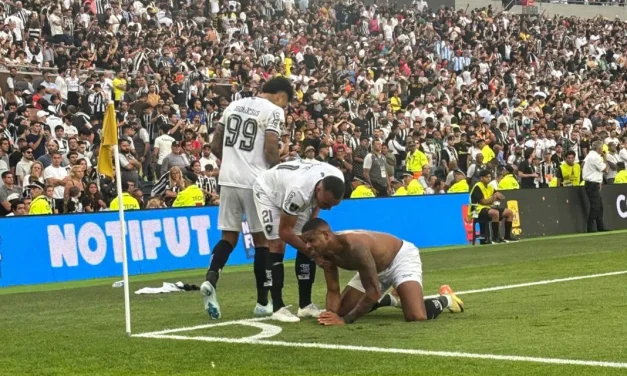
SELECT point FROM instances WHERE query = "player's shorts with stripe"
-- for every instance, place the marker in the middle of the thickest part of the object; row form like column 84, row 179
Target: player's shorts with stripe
column 405, row 267
column 234, row 202
column 269, row 213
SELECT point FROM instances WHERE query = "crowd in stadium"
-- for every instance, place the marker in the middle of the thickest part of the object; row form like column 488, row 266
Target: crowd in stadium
column 404, row 100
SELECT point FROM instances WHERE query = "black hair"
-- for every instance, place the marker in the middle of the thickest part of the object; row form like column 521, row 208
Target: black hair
column 314, row 224
column 334, row 185
column 571, row 152
column 15, row 203
column 124, row 185
column 277, row 85
column 528, row 152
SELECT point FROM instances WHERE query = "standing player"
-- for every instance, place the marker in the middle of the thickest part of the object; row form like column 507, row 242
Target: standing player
column 247, row 141
column 382, row 261
column 286, row 197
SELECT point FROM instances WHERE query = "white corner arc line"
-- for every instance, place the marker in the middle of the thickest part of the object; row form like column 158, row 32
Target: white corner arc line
column 447, row 354
column 538, row 283
column 204, row 326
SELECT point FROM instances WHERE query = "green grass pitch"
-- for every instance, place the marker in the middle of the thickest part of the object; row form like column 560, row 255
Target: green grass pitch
column 78, row 328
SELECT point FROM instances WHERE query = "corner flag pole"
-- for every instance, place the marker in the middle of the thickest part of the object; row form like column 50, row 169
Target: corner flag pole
column 110, row 144
column 127, row 297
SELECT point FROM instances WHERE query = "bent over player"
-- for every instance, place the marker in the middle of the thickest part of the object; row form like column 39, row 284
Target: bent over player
column 247, row 141
column 286, row 197
column 381, row 261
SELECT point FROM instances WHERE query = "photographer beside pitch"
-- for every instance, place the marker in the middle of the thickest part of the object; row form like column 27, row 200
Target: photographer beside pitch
column 382, row 261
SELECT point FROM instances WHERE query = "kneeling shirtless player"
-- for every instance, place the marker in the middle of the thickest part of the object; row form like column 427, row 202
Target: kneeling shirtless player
column 382, row 261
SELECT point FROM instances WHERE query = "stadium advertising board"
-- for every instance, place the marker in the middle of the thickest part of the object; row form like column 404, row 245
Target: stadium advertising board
column 44, row 249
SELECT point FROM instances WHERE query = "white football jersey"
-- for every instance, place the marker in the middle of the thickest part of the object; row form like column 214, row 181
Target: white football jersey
column 291, row 185
column 245, row 123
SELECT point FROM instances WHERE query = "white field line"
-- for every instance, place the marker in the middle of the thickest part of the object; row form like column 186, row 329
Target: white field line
column 267, row 332
column 538, row 283
column 447, row 354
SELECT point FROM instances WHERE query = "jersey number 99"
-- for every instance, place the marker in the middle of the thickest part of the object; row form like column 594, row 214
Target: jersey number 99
column 243, row 130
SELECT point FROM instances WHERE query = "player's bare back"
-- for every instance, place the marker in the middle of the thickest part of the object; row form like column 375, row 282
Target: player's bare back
column 383, row 248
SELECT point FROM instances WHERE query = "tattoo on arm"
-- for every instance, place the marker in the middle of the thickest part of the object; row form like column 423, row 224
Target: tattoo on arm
column 216, row 143
column 370, row 281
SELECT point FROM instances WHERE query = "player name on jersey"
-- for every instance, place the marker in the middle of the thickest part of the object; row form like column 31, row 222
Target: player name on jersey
column 247, row 110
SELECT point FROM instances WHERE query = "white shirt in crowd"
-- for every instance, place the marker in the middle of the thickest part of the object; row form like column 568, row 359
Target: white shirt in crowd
column 56, row 173
column 611, row 173
column 164, row 143
column 593, row 167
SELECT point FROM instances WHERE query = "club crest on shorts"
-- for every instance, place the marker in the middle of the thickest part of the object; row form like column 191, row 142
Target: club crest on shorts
column 268, row 229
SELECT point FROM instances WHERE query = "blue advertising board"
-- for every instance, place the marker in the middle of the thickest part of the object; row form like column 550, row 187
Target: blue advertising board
column 57, row 248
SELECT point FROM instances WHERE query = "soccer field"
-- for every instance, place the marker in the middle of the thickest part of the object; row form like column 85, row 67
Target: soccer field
column 537, row 307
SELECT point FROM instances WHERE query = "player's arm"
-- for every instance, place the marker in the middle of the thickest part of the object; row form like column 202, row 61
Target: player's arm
column 292, row 206
column 271, row 149
column 332, row 277
column 370, row 281
column 217, row 141
column 287, row 223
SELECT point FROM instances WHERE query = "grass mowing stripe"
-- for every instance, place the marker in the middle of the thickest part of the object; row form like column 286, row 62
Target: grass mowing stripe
column 537, row 283
column 447, row 354
column 487, row 289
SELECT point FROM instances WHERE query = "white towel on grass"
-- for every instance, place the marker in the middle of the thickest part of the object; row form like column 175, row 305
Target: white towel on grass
column 167, row 287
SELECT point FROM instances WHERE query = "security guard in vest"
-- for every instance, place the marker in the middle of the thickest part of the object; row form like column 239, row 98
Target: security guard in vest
column 190, row 196
column 129, row 202
column 508, row 182
column 621, row 175
column 411, row 186
column 482, row 198
column 569, row 172
column 40, row 204
column 460, row 185
column 415, row 158
column 361, row 189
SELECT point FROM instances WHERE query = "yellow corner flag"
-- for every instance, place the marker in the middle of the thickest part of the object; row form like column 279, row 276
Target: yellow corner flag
column 109, row 140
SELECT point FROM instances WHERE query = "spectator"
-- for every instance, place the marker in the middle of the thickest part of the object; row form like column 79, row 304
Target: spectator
column 621, row 175
column 128, row 201
column 46, row 159
column 18, row 208
column 92, row 199
column 569, row 172
column 375, row 172
column 74, row 204
column 176, row 158
column 23, row 167
column 162, row 148
column 526, row 170
column 76, row 176
column 8, row 192
column 129, row 164
column 57, row 177
column 36, row 174
column 459, row 183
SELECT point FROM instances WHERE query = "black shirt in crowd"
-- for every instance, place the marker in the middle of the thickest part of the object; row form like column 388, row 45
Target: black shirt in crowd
column 526, row 168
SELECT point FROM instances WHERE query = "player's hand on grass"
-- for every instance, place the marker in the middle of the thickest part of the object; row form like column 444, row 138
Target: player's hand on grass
column 330, row 319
